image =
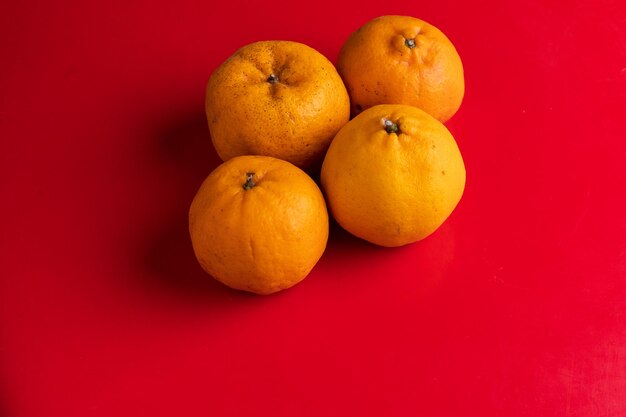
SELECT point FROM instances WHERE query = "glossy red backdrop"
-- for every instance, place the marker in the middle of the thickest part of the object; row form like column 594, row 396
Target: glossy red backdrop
column 515, row 307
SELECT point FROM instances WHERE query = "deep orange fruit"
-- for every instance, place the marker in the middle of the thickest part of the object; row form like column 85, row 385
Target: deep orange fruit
column 402, row 60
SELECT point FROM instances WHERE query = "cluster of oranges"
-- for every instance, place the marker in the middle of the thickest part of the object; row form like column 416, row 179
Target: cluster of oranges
column 391, row 175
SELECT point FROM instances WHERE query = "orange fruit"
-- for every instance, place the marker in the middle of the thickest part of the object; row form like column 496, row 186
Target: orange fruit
column 276, row 98
column 392, row 175
column 402, row 60
column 258, row 224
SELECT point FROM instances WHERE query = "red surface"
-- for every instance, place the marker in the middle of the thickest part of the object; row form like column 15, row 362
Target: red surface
column 515, row 307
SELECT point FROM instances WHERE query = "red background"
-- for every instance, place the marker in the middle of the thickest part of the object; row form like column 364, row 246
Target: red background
column 515, row 307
